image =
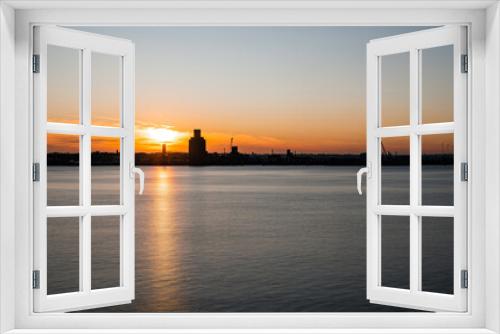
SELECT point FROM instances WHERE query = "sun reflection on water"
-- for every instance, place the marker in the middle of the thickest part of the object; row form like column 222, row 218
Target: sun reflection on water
column 159, row 241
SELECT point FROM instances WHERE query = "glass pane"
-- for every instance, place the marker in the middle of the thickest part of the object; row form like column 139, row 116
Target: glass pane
column 437, row 254
column 395, row 251
column 395, row 171
column 105, row 252
column 63, row 84
column 63, row 160
column 63, row 255
column 437, row 84
column 395, row 89
column 105, row 171
column 437, row 170
column 106, row 89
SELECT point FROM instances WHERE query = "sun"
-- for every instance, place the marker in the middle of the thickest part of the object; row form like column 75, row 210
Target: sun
column 163, row 135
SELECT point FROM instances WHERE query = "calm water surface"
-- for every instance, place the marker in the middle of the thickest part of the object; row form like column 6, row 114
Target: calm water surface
column 249, row 239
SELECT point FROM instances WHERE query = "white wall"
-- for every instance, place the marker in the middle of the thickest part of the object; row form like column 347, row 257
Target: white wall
column 492, row 148
column 7, row 182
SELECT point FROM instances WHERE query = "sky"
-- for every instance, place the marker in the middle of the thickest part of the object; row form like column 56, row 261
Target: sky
column 268, row 88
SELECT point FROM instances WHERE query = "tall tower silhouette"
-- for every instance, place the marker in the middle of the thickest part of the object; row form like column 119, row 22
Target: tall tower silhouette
column 197, row 149
column 164, row 154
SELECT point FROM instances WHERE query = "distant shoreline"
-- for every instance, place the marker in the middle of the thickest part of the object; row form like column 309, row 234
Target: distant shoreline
column 218, row 159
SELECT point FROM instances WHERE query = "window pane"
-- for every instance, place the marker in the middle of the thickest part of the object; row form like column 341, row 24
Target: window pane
column 395, row 171
column 395, row 89
column 63, row 160
column 437, row 170
column 63, row 84
column 63, row 255
column 105, row 252
column 437, row 84
column 106, row 89
column 437, row 254
column 105, row 171
column 395, row 251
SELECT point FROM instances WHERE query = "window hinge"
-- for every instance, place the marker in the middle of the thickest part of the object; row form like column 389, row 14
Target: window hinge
column 464, row 171
column 36, row 279
column 465, row 64
column 464, row 279
column 36, row 172
column 36, row 63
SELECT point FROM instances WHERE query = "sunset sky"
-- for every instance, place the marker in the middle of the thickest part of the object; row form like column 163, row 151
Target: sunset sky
column 269, row 88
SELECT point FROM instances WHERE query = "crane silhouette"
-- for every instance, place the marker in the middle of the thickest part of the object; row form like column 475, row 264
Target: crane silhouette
column 385, row 153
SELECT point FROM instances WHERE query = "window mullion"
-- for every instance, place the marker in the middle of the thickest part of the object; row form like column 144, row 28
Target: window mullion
column 85, row 177
column 415, row 224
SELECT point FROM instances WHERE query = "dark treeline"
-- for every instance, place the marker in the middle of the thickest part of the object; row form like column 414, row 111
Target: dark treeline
column 216, row 159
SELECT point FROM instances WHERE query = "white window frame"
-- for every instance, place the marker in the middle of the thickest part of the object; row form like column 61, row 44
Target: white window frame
column 16, row 20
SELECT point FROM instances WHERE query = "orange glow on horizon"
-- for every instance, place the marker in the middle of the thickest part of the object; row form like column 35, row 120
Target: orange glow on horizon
column 150, row 140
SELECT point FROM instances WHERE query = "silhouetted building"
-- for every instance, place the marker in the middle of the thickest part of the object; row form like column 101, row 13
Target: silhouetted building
column 234, row 150
column 164, row 154
column 197, row 149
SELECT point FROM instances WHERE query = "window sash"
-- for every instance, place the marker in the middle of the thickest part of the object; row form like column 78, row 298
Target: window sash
column 413, row 297
column 86, row 297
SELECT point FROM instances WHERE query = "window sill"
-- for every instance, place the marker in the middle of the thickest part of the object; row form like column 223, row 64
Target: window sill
column 252, row 331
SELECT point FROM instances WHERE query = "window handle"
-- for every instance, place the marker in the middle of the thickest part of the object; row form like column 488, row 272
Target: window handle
column 364, row 170
column 134, row 170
